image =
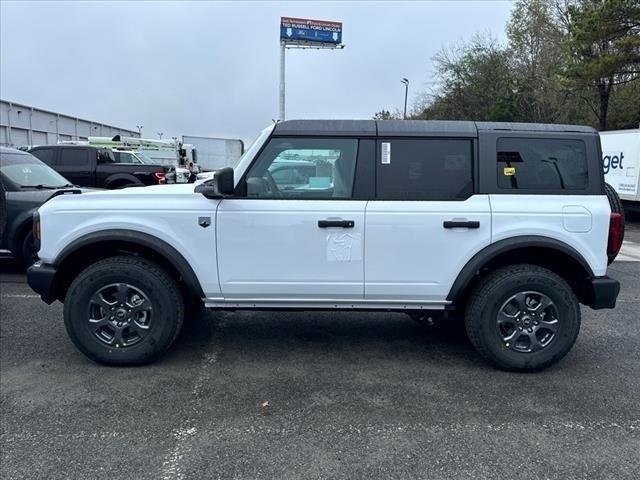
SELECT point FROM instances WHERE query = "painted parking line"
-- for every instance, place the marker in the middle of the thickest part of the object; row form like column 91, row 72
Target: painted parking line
column 630, row 252
column 15, row 295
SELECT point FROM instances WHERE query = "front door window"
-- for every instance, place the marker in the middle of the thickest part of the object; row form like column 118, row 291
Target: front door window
column 304, row 168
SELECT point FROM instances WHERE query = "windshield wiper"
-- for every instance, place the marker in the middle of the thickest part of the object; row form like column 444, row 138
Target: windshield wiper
column 40, row 187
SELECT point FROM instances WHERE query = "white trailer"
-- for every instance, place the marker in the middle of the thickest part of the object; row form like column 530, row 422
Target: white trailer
column 214, row 153
column 621, row 163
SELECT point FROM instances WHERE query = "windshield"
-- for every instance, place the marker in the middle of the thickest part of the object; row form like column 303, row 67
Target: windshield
column 25, row 170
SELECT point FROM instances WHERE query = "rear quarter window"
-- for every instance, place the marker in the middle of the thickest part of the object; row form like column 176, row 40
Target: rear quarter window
column 541, row 164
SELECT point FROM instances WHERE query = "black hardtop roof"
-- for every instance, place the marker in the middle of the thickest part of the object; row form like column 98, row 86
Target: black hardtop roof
column 534, row 127
column 409, row 128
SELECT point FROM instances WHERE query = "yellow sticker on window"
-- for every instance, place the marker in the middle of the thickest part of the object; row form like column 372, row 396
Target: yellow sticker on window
column 508, row 171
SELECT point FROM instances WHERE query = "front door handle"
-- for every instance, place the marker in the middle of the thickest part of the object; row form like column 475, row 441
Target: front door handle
column 336, row 223
column 461, row 224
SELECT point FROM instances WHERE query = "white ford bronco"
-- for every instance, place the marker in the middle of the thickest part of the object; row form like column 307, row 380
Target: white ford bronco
column 506, row 225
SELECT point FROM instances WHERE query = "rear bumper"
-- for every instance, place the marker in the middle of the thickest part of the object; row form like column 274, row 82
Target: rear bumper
column 40, row 277
column 602, row 293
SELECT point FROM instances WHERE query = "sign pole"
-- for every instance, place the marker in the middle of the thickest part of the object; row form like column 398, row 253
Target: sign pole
column 281, row 110
column 305, row 33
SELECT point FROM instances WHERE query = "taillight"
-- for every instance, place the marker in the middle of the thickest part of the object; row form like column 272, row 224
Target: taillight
column 161, row 177
column 616, row 232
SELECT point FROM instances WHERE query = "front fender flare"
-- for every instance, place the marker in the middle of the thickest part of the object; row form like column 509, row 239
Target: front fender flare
column 173, row 256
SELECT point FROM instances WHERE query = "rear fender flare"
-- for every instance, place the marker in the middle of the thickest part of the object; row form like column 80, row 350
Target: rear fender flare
column 484, row 256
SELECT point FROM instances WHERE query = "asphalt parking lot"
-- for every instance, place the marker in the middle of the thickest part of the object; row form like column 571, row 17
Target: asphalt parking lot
column 318, row 395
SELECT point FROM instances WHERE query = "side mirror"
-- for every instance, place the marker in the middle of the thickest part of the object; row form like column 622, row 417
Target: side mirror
column 221, row 185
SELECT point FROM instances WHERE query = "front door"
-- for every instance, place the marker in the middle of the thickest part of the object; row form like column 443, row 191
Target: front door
column 294, row 232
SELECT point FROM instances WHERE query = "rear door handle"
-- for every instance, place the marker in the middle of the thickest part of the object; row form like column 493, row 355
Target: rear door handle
column 461, row 224
column 336, row 223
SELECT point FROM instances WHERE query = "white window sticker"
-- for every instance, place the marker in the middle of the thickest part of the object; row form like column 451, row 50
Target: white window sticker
column 386, row 153
column 344, row 247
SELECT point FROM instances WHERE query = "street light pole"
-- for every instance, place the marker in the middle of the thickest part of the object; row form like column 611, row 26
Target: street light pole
column 160, row 135
column 139, row 127
column 406, row 94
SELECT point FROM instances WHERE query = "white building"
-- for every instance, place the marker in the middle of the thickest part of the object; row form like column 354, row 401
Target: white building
column 24, row 125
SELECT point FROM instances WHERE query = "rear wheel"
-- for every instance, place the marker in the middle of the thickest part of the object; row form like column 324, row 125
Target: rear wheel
column 523, row 318
column 616, row 207
column 614, row 199
column 123, row 311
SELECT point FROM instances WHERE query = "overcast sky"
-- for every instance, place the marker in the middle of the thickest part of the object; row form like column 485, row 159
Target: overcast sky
column 212, row 68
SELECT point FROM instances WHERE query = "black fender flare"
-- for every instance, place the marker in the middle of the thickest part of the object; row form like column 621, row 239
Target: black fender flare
column 14, row 230
column 117, row 177
column 173, row 256
column 484, row 256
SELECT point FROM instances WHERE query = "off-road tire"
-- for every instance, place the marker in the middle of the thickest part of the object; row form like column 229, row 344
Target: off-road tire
column 616, row 207
column 27, row 250
column 614, row 199
column 163, row 294
column 497, row 287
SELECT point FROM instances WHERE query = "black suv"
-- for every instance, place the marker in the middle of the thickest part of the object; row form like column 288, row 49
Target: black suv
column 97, row 167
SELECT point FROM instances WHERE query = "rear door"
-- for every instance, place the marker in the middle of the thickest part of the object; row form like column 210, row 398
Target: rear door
column 77, row 164
column 295, row 237
column 425, row 222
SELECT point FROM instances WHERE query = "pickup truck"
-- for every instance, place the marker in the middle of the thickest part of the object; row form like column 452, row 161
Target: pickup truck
column 89, row 166
column 509, row 226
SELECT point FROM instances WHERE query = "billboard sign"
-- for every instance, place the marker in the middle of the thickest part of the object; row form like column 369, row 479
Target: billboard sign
column 303, row 31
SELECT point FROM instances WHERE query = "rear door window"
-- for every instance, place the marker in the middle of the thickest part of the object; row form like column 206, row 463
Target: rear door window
column 424, row 169
column 541, row 164
column 74, row 157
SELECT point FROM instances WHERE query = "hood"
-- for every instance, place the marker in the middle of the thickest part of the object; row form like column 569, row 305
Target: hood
column 38, row 197
column 152, row 198
column 170, row 189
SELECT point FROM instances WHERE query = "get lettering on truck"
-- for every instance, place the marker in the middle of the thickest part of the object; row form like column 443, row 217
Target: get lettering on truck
column 508, row 226
column 621, row 164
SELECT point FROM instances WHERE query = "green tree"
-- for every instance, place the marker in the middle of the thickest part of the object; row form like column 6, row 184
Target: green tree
column 537, row 50
column 624, row 107
column 603, row 38
column 476, row 83
column 384, row 115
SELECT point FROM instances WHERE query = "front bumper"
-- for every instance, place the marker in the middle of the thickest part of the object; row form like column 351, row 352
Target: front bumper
column 602, row 293
column 41, row 278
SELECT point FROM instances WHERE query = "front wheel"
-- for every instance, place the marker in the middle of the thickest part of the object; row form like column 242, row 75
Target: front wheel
column 28, row 250
column 523, row 318
column 123, row 311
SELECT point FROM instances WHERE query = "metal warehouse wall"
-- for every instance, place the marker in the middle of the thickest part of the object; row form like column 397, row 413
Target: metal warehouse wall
column 25, row 125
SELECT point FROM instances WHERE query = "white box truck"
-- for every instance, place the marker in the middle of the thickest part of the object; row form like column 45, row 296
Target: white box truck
column 621, row 163
column 215, row 153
